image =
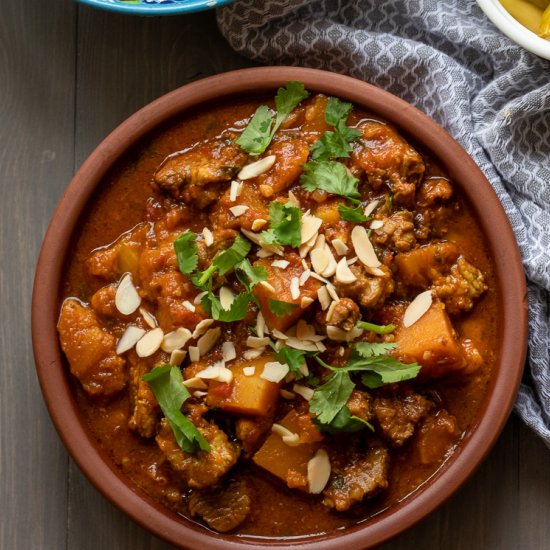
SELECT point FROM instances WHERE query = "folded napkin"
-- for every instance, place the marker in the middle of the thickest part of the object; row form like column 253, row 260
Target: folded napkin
column 446, row 58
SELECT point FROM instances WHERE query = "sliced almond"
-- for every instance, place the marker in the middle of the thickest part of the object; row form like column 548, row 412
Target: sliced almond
column 323, row 297
column 376, row 271
column 200, row 394
column 249, row 371
column 304, row 331
column 420, row 305
column 285, row 394
column 238, row 210
column 150, row 342
column 195, row 383
column 207, row 341
column 318, row 472
column 330, row 269
column 198, row 298
column 194, row 354
column 338, row 335
column 188, row 305
column 371, row 207
column 309, row 228
column 320, row 258
column 176, row 339
column 344, row 275
column 257, row 342
column 340, row 247
column 319, row 278
column 296, row 343
column 235, row 190
column 127, row 299
column 208, row 236
column 254, row 169
column 306, row 301
column 149, row 318
column 177, row 357
column 304, row 277
column 303, row 391
column 332, row 292
column 363, row 247
column 274, row 371
column 228, row 351
column 331, row 311
column 376, row 224
column 278, row 334
column 226, row 297
column 217, row 373
column 129, row 339
column 321, row 347
column 320, row 242
column 260, row 325
column 258, row 224
column 290, row 438
column 281, row 264
column 295, row 288
column 292, row 198
column 201, row 327
column 250, row 354
column 351, row 261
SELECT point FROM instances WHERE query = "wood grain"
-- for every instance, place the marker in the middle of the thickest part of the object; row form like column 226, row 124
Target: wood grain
column 68, row 75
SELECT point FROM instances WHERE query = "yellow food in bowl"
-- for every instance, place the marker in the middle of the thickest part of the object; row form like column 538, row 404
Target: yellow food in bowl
column 533, row 14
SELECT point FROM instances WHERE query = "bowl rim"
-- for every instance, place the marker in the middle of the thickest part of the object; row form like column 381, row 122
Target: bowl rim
column 513, row 29
column 93, row 460
column 190, row 6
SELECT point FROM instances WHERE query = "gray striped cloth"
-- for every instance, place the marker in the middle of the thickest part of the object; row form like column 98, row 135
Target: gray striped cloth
column 446, row 58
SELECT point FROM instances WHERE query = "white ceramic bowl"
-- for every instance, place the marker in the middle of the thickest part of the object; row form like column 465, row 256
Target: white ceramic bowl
column 515, row 30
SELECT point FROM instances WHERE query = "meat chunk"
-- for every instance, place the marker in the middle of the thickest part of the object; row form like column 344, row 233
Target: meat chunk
column 360, row 405
column 434, row 191
column 90, row 350
column 357, row 474
column 145, row 409
column 386, row 158
column 436, row 436
column 201, row 469
column 103, row 302
column 397, row 416
column 251, row 431
column 344, row 314
column 397, row 233
column 459, row 290
column 222, row 508
column 194, row 176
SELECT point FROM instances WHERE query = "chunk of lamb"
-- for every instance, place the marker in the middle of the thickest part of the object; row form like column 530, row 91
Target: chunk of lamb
column 223, row 508
column 203, row 468
column 344, row 314
column 434, row 191
column 195, row 175
column 145, row 409
column 397, row 232
column 357, row 474
column 397, row 416
column 90, row 351
column 386, row 158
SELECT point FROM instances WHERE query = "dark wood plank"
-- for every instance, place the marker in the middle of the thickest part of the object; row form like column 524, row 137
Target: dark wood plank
column 36, row 162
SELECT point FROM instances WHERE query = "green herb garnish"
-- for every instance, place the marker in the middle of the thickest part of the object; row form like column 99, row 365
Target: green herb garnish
column 294, row 358
column 280, row 309
column 332, row 177
column 211, row 303
column 166, row 383
column 351, row 214
column 186, row 252
column 377, row 329
column 250, row 276
column 284, row 225
column 262, row 127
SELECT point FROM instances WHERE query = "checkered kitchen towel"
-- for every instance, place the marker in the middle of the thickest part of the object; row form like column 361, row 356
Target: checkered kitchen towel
column 446, row 58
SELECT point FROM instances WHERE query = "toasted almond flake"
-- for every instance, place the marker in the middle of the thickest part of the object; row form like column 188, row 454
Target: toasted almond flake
column 129, row 339
column 417, row 308
column 320, row 242
column 250, row 354
column 304, row 331
column 338, row 335
column 238, row 210
column 351, row 261
column 330, row 269
column 304, row 277
column 293, row 199
column 330, row 312
column 305, row 265
column 304, row 250
column 320, row 258
column 194, row 354
column 201, row 327
column 290, row 438
column 263, row 253
column 228, row 351
column 303, row 391
column 319, row 278
column 279, row 334
column 258, row 224
column 281, row 264
column 285, row 394
column 199, row 394
column 369, row 209
column 257, row 342
column 188, row 305
column 149, row 318
column 217, row 373
column 377, row 224
column 207, row 236
column 341, row 351
column 295, row 288
column 249, row 371
column 323, row 297
column 268, row 286
column 340, row 247
column 207, row 341
column 321, row 347
column 176, row 339
column 363, row 247
column 260, row 325
column 296, row 343
column 274, row 371
column 127, row 299
column 235, row 190
column 254, row 237
column 195, row 383
column 306, row 301
column 303, row 368
column 318, row 472
column 309, row 228
column 150, row 342
column 256, row 168
column 332, row 292
column 344, row 275
column 177, row 357
column 226, row 297
column 199, row 297
column 376, row 271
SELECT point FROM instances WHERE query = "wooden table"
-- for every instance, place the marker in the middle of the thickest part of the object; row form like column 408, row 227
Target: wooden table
column 68, row 76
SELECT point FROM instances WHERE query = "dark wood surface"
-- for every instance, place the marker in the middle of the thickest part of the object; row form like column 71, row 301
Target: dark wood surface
column 68, row 75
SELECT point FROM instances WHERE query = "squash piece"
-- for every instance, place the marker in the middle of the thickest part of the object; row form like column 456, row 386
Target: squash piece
column 245, row 395
column 431, row 342
column 281, row 280
column 288, row 463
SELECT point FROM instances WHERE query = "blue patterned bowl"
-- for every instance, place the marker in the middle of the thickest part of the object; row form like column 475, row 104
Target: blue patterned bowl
column 156, row 7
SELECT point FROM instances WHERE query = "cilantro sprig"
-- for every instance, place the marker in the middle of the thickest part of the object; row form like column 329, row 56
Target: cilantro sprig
column 257, row 136
column 166, row 383
column 186, row 252
column 280, row 308
column 330, row 176
column 285, row 222
column 377, row 329
column 352, row 214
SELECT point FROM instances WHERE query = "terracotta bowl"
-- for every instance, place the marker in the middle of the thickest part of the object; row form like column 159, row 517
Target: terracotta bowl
column 51, row 366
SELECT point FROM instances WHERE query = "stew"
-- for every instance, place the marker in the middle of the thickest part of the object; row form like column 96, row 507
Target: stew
column 280, row 317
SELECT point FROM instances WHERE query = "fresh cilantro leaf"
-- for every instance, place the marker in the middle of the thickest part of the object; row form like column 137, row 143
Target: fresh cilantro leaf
column 186, row 252
column 280, row 309
column 350, row 214
column 250, row 276
column 337, row 111
column 284, row 225
column 332, row 177
column 236, row 312
column 166, row 383
column 344, row 421
column 330, row 145
column 377, row 329
column 257, row 136
column 328, row 399
column 371, row 349
column 294, row 358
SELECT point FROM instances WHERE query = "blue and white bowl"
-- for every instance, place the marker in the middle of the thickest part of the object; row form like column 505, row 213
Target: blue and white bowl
column 156, row 7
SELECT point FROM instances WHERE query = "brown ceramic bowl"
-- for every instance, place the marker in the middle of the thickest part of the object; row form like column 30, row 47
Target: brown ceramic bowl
column 53, row 373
